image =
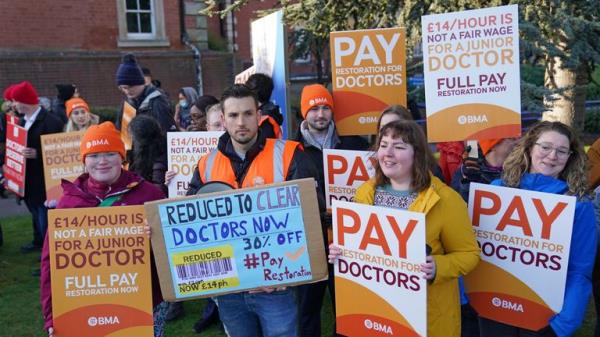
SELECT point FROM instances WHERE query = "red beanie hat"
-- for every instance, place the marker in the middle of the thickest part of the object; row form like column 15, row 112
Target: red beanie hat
column 7, row 94
column 24, row 93
column 314, row 94
column 487, row 145
column 76, row 103
column 101, row 138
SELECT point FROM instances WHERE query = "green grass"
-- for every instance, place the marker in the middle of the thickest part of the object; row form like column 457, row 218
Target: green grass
column 20, row 313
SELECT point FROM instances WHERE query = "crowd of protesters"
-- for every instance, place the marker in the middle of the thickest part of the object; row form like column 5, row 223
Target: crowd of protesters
column 549, row 157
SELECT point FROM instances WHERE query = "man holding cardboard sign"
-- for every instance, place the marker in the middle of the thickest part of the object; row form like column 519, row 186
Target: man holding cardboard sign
column 244, row 158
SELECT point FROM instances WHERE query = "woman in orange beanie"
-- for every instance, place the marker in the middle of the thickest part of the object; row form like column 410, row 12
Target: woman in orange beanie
column 80, row 117
column 106, row 183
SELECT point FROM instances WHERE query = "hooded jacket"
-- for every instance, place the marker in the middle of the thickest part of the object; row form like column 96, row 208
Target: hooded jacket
column 84, row 192
column 584, row 240
column 151, row 102
column 454, row 248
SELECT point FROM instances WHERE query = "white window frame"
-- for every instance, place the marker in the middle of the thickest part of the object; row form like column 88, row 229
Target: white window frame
column 157, row 38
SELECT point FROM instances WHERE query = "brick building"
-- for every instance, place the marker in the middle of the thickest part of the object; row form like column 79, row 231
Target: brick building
column 82, row 42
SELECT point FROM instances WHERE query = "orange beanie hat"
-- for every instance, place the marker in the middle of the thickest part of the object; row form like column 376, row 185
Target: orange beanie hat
column 314, row 94
column 101, row 138
column 76, row 103
column 487, row 145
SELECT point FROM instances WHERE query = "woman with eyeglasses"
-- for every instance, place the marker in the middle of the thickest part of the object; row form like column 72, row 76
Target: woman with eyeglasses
column 551, row 159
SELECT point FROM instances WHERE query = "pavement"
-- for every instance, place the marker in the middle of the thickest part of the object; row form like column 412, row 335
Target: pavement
column 9, row 207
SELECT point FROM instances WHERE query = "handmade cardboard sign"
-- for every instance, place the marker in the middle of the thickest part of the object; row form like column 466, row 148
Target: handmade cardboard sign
column 472, row 82
column 242, row 239
column 345, row 171
column 369, row 74
column 14, row 169
column 100, row 272
column 382, row 250
column 60, row 152
column 184, row 151
column 525, row 239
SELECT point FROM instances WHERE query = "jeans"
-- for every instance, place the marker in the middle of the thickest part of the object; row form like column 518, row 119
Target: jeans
column 243, row 314
column 39, row 217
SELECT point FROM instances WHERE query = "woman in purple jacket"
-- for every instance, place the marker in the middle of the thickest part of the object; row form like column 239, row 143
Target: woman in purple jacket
column 105, row 183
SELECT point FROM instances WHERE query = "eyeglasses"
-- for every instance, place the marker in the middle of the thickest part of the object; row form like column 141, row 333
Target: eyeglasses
column 547, row 148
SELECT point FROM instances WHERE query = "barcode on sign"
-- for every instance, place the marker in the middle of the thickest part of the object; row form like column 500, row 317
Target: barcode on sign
column 204, row 269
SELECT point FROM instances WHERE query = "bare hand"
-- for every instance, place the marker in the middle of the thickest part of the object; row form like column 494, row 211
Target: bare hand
column 50, row 332
column 29, row 153
column 428, row 268
column 334, row 253
column 267, row 290
column 169, row 175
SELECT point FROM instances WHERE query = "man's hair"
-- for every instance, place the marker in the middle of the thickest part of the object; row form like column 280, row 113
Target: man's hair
column 261, row 84
column 238, row 91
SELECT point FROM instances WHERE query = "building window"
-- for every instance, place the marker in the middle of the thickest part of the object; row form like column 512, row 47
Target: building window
column 141, row 23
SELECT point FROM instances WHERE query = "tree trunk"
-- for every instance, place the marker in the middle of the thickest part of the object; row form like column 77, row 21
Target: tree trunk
column 568, row 105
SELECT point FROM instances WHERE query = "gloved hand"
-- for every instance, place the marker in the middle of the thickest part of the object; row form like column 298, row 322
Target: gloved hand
column 471, row 172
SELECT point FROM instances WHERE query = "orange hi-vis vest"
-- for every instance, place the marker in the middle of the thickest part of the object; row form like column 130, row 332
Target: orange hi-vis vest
column 274, row 124
column 271, row 165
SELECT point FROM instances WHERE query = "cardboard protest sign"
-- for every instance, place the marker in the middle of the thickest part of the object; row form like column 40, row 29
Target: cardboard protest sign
column 382, row 252
column 184, row 150
column 269, row 55
column 525, row 238
column 369, row 74
column 242, row 239
column 100, row 269
column 60, row 152
column 345, row 171
column 472, row 81
column 14, row 169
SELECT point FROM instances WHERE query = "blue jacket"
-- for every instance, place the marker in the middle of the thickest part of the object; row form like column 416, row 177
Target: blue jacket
column 584, row 241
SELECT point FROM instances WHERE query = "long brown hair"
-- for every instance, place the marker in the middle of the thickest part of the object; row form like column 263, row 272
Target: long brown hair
column 519, row 160
column 410, row 133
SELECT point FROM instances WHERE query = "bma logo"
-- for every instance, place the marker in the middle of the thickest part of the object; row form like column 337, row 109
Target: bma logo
column 367, row 119
column 103, row 320
column 505, row 304
column 370, row 325
column 317, row 101
column 472, row 119
column 96, row 143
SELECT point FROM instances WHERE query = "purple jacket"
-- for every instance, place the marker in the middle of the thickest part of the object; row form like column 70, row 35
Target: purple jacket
column 84, row 192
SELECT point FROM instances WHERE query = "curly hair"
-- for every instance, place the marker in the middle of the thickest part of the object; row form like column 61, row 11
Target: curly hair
column 519, row 160
column 410, row 133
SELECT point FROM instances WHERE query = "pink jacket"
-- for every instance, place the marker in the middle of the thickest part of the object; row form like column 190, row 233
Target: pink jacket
column 85, row 192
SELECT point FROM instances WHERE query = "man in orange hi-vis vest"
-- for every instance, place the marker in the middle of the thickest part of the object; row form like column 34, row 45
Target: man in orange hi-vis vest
column 141, row 99
column 245, row 158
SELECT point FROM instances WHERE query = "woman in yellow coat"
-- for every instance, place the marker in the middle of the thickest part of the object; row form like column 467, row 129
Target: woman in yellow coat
column 403, row 180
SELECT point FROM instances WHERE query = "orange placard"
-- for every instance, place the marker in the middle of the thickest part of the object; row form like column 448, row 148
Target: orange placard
column 381, row 265
column 60, row 152
column 100, row 269
column 525, row 240
column 471, row 71
column 369, row 74
column 129, row 113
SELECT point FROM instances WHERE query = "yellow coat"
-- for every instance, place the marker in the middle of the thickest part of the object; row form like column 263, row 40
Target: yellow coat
column 454, row 249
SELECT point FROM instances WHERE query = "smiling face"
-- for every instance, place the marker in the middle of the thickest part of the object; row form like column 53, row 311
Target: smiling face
column 550, row 154
column 396, row 159
column 241, row 119
column 104, row 167
column 80, row 117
